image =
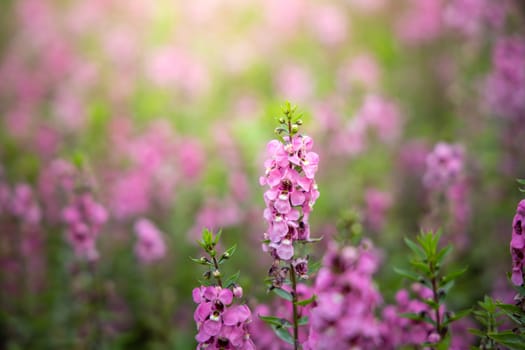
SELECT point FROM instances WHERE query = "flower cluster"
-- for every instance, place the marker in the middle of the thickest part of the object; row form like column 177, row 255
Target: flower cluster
column 150, row 245
column 505, row 88
column 444, row 166
column 400, row 331
column 346, row 300
column 292, row 192
column 469, row 17
column 445, row 179
column 220, row 324
column 377, row 116
column 23, row 204
column 84, row 219
column 517, row 244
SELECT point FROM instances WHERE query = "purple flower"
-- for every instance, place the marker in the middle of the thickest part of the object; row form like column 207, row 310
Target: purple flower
column 346, row 300
column 220, row 324
column 505, row 86
column 517, row 244
column 84, row 219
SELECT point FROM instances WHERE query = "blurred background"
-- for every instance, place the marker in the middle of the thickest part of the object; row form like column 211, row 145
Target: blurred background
column 162, row 110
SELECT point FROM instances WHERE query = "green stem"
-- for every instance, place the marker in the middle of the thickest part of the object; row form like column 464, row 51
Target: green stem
column 294, row 306
column 95, row 301
column 216, row 265
column 436, row 300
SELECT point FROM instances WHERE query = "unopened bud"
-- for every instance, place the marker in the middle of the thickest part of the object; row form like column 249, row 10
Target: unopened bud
column 281, row 120
column 295, row 128
column 299, row 122
column 216, row 274
column 237, row 291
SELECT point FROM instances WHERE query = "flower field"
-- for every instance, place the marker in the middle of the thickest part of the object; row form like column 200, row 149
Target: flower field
column 263, row 174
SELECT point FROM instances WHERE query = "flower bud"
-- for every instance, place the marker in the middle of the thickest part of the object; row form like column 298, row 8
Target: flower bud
column 237, row 291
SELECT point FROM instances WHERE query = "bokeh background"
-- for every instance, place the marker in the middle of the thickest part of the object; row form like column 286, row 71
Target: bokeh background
column 165, row 107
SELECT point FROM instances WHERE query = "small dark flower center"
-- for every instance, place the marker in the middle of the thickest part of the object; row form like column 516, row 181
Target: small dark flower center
column 219, row 307
column 518, row 228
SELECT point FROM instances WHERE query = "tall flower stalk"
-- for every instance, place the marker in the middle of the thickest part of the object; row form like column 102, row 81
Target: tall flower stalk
column 292, row 191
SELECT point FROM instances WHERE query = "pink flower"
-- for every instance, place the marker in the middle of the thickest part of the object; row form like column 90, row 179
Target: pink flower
column 505, row 86
column 295, row 82
column 289, row 174
column 329, row 24
column 421, row 22
column 444, row 165
column 24, row 205
column 84, row 219
column 517, row 244
column 346, row 300
column 150, row 245
column 220, row 323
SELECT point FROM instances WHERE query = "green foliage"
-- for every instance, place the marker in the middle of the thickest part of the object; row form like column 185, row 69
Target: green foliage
column 521, row 182
column 291, row 121
column 426, row 268
column 208, row 242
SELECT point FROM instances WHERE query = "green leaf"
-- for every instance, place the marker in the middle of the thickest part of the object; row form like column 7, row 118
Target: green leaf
column 509, row 339
column 303, row 321
column 476, row 332
column 207, row 237
column 283, row 294
column 407, row 274
column 415, row 248
column 231, row 280
column 283, row 334
column 458, row 315
column 217, row 237
column 421, row 266
column 444, row 344
column 313, row 267
column 306, row 301
column 412, row 316
column 430, row 302
column 276, row 321
column 447, row 286
column 521, row 181
column 513, row 312
column 200, row 261
column 229, row 252
column 453, row 275
column 443, row 253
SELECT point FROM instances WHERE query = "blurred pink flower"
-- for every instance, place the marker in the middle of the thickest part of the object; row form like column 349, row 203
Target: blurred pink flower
column 329, row 24
column 362, row 70
column 505, row 86
column 130, row 194
column 174, row 67
column 382, row 116
column 150, row 245
column 377, row 204
column 84, row 219
column 294, row 83
column 421, row 22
